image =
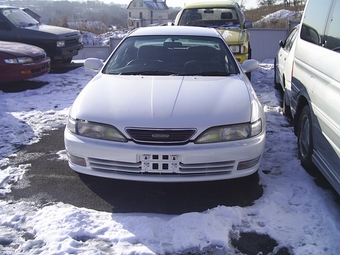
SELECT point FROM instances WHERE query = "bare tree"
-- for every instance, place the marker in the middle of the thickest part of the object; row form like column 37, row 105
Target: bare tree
column 266, row 2
column 286, row 2
column 242, row 3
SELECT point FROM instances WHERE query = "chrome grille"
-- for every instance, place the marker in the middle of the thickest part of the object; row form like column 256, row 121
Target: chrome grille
column 161, row 168
column 110, row 165
column 171, row 136
column 70, row 42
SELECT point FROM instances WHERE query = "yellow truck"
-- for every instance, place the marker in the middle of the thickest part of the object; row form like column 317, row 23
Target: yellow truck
column 227, row 17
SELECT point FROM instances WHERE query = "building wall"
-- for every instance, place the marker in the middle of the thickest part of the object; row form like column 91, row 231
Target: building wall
column 134, row 20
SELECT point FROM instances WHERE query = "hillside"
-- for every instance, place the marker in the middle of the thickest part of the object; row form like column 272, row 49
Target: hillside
column 273, row 16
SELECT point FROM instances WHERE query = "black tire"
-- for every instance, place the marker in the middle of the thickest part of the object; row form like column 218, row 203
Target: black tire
column 277, row 84
column 249, row 51
column 305, row 139
column 249, row 57
column 285, row 106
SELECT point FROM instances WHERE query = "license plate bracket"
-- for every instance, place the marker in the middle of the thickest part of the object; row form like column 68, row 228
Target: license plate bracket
column 160, row 163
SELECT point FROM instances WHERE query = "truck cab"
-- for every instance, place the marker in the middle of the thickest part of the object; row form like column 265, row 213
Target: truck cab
column 227, row 17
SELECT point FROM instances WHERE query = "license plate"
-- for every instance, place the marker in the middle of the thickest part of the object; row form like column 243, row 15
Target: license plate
column 160, row 163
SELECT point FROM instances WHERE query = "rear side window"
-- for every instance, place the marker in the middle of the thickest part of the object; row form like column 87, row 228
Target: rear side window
column 314, row 22
column 332, row 34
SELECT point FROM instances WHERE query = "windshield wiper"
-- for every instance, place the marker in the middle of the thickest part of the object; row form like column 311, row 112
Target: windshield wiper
column 28, row 24
column 32, row 24
column 150, row 72
column 209, row 73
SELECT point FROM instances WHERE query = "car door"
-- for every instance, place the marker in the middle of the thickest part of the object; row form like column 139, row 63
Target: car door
column 285, row 57
column 290, row 49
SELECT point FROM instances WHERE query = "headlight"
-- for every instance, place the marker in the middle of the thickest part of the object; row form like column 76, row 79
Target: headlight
column 21, row 60
column 60, row 44
column 239, row 49
column 230, row 133
column 236, row 49
column 95, row 130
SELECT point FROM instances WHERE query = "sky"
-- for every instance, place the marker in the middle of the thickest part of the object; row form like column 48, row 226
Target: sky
column 293, row 210
column 180, row 3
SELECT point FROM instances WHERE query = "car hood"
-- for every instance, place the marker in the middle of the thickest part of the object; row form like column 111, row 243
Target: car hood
column 233, row 35
column 20, row 49
column 164, row 102
column 59, row 31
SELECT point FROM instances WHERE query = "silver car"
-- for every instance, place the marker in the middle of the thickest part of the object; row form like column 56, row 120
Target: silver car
column 171, row 104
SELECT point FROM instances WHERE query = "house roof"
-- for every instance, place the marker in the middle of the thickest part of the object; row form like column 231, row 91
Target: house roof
column 154, row 4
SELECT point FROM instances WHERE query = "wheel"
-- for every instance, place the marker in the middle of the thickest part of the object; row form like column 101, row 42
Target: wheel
column 249, row 51
column 305, row 138
column 285, row 106
column 276, row 83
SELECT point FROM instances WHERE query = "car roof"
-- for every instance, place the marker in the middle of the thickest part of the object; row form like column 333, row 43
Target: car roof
column 210, row 4
column 176, row 30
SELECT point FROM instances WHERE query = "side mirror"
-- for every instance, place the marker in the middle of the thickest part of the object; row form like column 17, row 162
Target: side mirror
column 281, row 44
column 248, row 24
column 93, row 63
column 250, row 65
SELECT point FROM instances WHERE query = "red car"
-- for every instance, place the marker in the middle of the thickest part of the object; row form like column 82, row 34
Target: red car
column 19, row 61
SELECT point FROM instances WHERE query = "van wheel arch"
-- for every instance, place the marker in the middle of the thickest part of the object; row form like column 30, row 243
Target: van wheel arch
column 302, row 102
column 305, row 138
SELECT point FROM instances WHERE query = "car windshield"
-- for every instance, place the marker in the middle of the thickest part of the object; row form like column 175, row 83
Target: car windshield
column 19, row 18
column 172, row 55
column 211, row 17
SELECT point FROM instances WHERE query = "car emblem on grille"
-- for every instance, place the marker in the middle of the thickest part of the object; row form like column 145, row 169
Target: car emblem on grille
column 160, row 135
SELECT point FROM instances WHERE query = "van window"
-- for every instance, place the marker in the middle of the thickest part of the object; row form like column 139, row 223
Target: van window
column 332, row 34
column 315, row 21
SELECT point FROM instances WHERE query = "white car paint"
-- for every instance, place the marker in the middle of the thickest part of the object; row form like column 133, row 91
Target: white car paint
column 160, row 105
column 164, row 101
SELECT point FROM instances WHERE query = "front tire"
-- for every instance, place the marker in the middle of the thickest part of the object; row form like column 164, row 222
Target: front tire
column 305, row 138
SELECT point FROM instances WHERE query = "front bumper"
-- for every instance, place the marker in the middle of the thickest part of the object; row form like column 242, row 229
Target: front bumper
column 19, row 72
column 156, row 163
column 67, row 52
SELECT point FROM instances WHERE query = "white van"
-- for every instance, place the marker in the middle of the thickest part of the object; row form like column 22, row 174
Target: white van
column 315, row 102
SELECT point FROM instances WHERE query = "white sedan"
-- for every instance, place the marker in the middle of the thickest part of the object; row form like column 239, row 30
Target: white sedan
column 283, row 64
column 171, row 104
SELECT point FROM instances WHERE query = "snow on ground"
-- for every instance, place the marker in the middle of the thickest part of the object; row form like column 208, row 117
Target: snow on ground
column 279, row 15
column 293, row 210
